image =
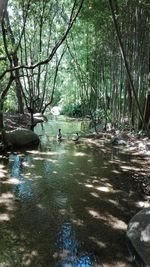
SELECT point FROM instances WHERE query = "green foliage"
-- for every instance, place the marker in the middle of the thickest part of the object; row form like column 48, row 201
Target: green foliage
column 72, row 110
column 91, row 77
column 100, row 115
column 57, row 98
column 10, row 102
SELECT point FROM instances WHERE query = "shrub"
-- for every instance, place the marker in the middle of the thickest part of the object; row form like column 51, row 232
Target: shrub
column 72, row 110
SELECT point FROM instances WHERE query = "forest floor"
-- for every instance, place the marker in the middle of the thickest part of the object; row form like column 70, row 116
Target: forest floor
column 136, row 146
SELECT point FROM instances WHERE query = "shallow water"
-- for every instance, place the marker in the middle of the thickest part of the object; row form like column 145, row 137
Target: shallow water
column 65, row 204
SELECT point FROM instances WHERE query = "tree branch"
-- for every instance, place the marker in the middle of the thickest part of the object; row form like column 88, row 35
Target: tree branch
column 55, row 48
column 54, row 83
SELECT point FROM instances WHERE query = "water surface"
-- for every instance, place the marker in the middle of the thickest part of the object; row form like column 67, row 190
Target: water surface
column 65, row 204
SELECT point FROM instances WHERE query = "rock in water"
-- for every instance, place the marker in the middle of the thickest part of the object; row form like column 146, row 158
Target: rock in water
column 22, row 137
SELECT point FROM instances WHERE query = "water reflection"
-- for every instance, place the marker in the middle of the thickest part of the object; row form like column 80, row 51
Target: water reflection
column 69, row 126
column 41, row 189
column 61, row 199
column 69, row 249
column 17, row 166
column 22, row 188
column 18, row 162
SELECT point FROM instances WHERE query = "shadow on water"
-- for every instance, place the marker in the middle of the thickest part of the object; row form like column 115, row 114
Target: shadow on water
column 66, row 205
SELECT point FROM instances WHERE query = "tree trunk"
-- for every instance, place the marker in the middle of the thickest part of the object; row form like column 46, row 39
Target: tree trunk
column 2, row 97
column 126, row 63
column 1, row 116
column 16, row 63
column 3, row 6
column 147, row 106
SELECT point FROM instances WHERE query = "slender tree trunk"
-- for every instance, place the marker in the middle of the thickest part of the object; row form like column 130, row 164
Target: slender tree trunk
column 3, row 6
column 126, row 63
column 14, row 59
column 54, row 83
column 2, row 97
column 147, row 106
column 1, row 116
column 18, row 86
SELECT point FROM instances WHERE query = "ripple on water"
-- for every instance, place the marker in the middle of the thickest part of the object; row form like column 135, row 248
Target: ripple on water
column 61, row 199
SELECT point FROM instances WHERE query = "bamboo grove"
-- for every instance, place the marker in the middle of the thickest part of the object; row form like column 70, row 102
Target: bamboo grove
column 91, row 57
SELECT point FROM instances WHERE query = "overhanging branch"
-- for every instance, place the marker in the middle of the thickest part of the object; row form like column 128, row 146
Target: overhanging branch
column 55, row 48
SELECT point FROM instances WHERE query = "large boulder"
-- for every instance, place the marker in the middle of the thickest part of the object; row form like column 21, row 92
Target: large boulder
column 21, row 137
column 138, row 236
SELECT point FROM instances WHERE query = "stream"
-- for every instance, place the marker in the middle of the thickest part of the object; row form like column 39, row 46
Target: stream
column 65, row 204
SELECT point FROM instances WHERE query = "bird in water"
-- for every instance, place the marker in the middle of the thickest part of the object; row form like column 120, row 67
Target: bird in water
column 59, row 135
column 76, row 138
